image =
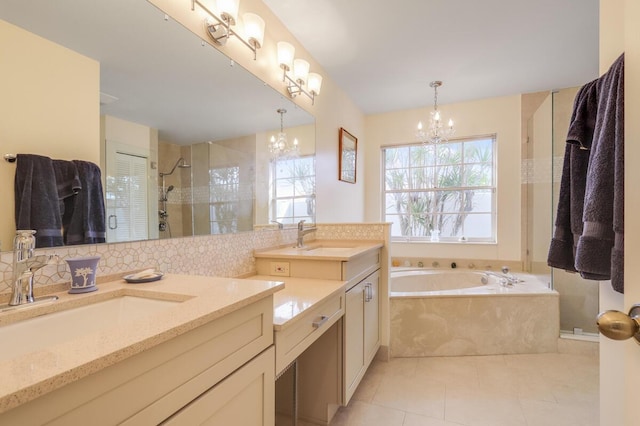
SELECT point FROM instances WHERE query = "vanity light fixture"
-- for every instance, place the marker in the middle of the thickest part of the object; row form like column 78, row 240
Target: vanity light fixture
column 279, row 145
column 295, row 73
column 219, row 28
column 436, row 132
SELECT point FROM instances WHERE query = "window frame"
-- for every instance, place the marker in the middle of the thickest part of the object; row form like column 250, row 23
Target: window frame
column 274, row 197
column 411, row 218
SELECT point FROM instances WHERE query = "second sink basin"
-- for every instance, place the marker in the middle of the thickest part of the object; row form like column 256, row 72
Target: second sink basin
column 37, row 333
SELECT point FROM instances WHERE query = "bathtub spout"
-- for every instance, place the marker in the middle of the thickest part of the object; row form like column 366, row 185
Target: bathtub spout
column 505, row 279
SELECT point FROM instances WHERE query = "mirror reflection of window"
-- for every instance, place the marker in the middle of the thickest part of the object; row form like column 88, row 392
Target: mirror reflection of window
column 293, row 189
column 224, row 185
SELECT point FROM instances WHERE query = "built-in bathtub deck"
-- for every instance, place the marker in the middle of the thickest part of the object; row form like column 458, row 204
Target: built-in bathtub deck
column 481, row 320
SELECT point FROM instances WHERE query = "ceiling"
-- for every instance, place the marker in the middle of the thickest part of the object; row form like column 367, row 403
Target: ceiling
column 384, row 55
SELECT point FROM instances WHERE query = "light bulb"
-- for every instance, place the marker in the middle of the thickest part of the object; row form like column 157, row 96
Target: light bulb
column 436, row 116
column 315, row 83
column 254, row 29
column 419, row 125
column 229, row 10
column 300, row 70
column 450, row 123
column 286, row 51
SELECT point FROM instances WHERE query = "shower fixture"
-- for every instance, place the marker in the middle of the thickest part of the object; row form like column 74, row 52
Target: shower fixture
column 164, row 215
column 180, row 163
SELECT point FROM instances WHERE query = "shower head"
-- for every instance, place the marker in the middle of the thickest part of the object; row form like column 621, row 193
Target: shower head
column 170, row 188
column 180, row 163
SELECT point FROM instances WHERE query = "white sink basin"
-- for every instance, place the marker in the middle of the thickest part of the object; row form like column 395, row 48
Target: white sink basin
column 37, row 333
column 330, row 250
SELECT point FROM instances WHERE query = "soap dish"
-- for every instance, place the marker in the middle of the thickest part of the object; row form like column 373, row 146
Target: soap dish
column 147, row 279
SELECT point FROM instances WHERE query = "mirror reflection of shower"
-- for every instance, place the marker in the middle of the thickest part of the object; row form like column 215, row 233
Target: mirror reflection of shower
column 164, row 196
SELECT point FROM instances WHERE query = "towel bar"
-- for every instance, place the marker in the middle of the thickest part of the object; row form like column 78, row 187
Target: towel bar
column 10, row 158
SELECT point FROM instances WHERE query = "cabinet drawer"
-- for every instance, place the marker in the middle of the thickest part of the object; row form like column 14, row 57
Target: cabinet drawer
column 293, row 340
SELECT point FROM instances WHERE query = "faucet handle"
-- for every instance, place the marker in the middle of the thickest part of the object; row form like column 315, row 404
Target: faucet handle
column 505, row 269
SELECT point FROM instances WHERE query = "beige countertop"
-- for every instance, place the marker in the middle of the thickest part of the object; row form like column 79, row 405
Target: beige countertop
column 203, row 299
column 322, row 250
column 299, row 295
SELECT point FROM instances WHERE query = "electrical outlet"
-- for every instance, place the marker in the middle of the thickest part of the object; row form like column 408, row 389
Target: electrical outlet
column 280, row 268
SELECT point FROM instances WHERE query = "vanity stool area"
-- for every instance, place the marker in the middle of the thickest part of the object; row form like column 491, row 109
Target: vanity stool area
column 326, row 324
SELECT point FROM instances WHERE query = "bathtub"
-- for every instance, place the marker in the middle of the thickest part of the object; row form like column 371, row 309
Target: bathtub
column 468, row 312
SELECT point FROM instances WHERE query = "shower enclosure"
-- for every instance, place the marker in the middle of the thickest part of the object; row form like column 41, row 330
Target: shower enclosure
column 546, row 119
column 209, row 189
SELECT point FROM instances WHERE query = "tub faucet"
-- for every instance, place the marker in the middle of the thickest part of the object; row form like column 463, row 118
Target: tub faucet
column 505, row 279
column 301, row 233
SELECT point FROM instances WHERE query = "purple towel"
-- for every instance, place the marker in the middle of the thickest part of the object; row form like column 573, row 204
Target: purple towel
column 87, row 223
column 600, row 248
column 572, row 185
column 68, row 184
column 36, row 199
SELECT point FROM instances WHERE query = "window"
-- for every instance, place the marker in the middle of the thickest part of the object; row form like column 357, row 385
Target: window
column 293, row 189
column 224, row 187
column 441, row 192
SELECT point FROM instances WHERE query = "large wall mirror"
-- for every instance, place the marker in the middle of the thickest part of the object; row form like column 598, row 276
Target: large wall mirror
column 181, row 133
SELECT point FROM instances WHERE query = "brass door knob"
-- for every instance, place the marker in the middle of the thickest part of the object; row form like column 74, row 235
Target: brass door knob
column 617, row 325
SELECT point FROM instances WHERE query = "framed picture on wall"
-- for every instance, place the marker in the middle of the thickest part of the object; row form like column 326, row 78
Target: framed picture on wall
column 347, row 156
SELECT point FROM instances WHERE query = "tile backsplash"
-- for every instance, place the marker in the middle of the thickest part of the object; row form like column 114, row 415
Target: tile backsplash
column 228, row 255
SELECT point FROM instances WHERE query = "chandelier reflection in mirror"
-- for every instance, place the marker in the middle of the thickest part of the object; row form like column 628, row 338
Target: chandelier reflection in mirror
column 219, row 28
column 436, row 132
column 279, row 145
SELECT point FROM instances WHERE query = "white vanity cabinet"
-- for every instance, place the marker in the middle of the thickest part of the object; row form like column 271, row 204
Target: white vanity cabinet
column 219, row 373
column 361, row 331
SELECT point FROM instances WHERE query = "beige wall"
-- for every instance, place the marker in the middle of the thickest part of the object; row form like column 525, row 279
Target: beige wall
column 49, row 94
column 498, row 115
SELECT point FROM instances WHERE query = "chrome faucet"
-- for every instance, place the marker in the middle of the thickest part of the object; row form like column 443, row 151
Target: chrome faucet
column 24, row 266
column 301, row 233
column 22, row 290
column 505, row 279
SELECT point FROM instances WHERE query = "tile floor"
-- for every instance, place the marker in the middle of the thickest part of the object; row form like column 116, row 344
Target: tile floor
column 556, row 389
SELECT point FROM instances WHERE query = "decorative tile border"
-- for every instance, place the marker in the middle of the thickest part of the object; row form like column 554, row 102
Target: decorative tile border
column 229, row 255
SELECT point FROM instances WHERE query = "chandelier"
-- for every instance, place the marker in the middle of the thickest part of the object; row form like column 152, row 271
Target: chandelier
column 280, row 145
column 436, row 132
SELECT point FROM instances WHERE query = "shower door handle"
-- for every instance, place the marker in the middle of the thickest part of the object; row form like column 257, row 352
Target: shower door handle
column 115, row 222
column 617, row 325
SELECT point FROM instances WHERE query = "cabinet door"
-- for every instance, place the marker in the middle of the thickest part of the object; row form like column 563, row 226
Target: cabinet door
column 353, row 339
column 371, row 321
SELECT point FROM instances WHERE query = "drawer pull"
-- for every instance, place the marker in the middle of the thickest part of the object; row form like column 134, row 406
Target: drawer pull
column 322, row 320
